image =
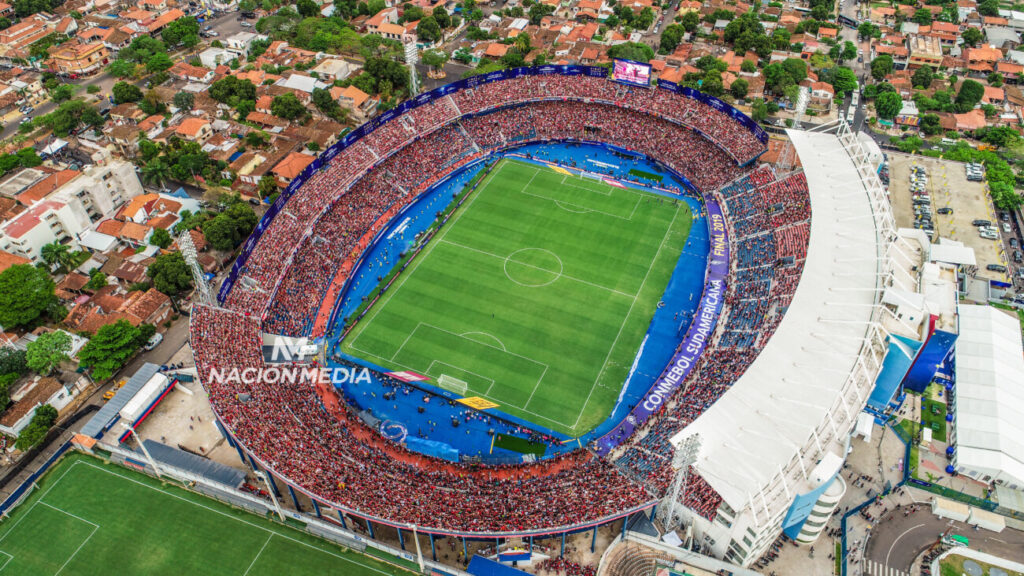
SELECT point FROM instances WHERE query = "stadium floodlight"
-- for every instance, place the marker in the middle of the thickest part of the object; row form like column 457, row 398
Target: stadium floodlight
column 412, row 58
column 188, row 251
column 684, row 457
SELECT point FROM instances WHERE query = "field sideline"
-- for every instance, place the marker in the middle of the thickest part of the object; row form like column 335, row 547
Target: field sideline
column 537, row 294
column 87, row 517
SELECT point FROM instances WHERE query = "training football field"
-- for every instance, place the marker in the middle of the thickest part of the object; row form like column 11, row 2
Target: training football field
column 536, row 294
column 87, row 518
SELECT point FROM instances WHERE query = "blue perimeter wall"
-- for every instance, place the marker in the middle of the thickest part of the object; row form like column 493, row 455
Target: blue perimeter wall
column 400, row 416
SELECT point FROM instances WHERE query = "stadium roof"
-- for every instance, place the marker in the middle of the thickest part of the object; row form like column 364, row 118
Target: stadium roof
column 197, row 465
column 780, row 408
column 106, row 415
column 990, row 394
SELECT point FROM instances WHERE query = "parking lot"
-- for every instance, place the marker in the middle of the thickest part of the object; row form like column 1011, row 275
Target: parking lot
column 948, row 187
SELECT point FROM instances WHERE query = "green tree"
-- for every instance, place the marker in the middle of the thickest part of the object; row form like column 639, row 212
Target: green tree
column 158, row 63
column 109, row 349
column 849, row 51
column 428, row 30
column 170, row 274
column 308, row 8
column 989, row 8
column 739, row 88
column 267, row 186
column 868, row 30
column 436, row 59
column 689, row 21
column 444, row 20
column 156, row 172
column 26, row 292
column 888, row 105
column 748, row 66
column 923, row 77
column 121, row 68
column 844, row 80
column 56, row 255
column 930, row 124
column 287, row 106
column 184, row 100
column 181, row 32
column 971, row 36
column 47, row 351
column 44, row 418
column 881, row 66
column 125, row 92
column 923, row 16
column 632, row 51
column 995, row 79
column 97, row 280
column 670, row 38
column 161, row 238
column 538, row 12
column 231, row 90
column 970, row 94
column 999, row 136
column 62, row 92
column 758, row 110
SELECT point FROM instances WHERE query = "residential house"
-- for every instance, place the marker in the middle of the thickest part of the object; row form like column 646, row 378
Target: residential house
column 288, row 169
column 195, row 129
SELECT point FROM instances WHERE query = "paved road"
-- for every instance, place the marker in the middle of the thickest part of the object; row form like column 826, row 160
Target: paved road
column 896, row 541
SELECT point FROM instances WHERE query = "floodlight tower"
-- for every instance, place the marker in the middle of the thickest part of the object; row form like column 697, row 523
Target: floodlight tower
column 684, row 457
column 188, row 251
column 412, row 57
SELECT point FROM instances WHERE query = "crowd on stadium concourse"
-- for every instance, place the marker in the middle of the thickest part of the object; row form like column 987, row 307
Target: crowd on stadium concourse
column 767, row 263
column 321, row 445
column 656, row 122
column 568, row 567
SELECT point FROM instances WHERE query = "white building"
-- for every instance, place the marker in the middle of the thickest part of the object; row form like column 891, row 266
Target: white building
column 241, row 42
column 213, row 57
column 45, row 222
column 988, row 430
column 70, row 209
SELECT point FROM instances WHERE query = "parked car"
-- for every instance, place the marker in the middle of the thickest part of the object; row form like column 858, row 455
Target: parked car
column 1006, row 228
column 996, row 268
column 154, row 341
column 980, row 222
column 945, row 210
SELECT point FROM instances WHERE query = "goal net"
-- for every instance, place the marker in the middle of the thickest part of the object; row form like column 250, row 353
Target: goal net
column 452, row 383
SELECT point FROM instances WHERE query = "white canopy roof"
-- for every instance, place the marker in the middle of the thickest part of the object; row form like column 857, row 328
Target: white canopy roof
column 771, row 413
column 990, row 394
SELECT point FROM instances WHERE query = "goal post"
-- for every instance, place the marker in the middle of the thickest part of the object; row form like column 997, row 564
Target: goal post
column 452, row 383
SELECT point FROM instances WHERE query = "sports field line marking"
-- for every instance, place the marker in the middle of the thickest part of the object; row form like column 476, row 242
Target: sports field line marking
column 262, row 548
column 78, row 549
column 226, row 515
column 36, row 503
column 6, row 562
column 431, row 367
column 559, row 204
column 564, row 275
column 496, row 339
column 625, row 320
column 404, row 277
column 79, row 518
column 509, row 258
column 582, row 179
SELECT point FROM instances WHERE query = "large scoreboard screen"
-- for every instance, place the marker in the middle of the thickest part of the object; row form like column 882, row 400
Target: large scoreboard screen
column 632, row 72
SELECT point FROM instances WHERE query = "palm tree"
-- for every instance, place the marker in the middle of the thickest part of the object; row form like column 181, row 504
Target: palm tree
column 156, row 172
column 56, row 254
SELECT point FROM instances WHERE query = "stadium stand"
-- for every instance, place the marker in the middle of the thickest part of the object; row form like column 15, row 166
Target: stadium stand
column 308, row 435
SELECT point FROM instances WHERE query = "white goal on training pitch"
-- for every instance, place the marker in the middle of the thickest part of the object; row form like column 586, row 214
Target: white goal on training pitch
column 452, row 383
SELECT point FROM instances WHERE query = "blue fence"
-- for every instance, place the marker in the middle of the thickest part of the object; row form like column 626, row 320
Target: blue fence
column 368, row 127
column 20, row 491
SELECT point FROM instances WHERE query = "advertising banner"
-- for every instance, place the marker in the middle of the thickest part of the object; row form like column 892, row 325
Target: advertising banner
column 694, row 343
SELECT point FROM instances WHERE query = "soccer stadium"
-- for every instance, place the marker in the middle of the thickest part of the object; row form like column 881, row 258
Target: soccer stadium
column 540, row 301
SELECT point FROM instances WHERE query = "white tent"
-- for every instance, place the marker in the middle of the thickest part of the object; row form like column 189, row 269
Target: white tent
column 989, row 416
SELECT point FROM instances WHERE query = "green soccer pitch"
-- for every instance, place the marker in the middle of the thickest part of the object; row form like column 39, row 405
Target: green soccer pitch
column 87, row 517
column 536, row 294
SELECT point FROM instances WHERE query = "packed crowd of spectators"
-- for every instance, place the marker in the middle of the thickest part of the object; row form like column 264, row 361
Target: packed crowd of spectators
column 325, row 450
column 767, row 264
column 664, row 138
